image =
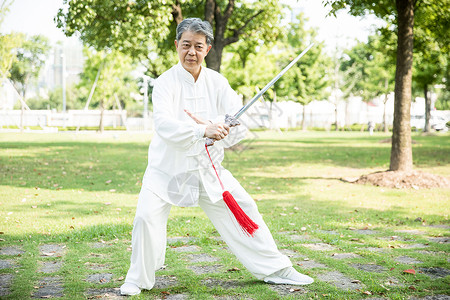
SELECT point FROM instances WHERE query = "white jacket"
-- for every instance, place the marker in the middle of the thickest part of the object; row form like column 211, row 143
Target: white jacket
column 177, row 159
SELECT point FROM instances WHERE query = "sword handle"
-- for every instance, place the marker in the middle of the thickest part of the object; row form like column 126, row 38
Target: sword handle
column 209, row 142
column 230, row 121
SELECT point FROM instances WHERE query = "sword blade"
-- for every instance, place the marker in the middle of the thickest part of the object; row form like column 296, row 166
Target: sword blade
column 272, row 82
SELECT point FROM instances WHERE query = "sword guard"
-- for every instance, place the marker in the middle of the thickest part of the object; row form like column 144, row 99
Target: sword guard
column 231, row 121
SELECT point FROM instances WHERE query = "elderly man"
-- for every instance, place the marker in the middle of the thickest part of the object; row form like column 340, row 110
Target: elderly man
column 189, row 104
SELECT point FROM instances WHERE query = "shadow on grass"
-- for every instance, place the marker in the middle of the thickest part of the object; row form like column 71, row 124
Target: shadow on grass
column 74, row 165
column 66, row 207
column 193, row 222
column 120, row 165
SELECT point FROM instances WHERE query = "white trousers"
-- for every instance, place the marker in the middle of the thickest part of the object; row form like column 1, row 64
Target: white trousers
column 259, row 254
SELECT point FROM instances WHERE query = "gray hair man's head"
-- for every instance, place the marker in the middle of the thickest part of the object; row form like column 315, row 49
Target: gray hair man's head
column 198, row 26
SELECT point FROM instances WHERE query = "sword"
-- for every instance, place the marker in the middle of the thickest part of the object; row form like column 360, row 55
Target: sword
column 232, row 120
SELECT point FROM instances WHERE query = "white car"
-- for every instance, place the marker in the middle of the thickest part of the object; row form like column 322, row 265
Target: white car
column 438, row 123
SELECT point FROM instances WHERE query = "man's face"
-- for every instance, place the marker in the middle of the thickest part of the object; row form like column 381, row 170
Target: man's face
column 192, row 49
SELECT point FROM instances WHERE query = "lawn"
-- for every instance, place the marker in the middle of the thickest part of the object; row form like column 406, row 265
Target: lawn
column 75, row 195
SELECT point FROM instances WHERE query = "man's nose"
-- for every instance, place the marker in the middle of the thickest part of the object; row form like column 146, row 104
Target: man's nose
column 191, row 51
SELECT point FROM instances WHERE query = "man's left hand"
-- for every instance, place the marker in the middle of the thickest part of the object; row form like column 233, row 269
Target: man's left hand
column 197, row 120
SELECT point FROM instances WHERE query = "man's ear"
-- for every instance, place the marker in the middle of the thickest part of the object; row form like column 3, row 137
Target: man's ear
column 176, row 44
column 209, row 48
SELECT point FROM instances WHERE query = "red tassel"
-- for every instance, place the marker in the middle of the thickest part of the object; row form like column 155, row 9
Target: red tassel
column 244, row 221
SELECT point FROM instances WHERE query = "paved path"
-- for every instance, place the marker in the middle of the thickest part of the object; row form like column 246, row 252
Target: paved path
column 320, row 244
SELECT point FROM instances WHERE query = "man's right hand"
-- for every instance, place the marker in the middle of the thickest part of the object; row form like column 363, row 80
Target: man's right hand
column 217, row 131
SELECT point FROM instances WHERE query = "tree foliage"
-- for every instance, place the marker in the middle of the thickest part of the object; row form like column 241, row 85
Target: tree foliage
column 126, row 26
column 302, row 83
column 53, row 100
column 238, row 20
column 110, row 73
column 246, row 71
column 115, row 78
column 307, row 80
column 145, row 30
column 429, row 69
column 431, row 52
column 8, row 52
column 30, row 58
column 429, row 15
column 369, row 68
column 8, row 43
column 4, row 9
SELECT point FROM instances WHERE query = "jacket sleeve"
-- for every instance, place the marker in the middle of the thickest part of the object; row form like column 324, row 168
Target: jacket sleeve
column 230, row 103
column 182, row 135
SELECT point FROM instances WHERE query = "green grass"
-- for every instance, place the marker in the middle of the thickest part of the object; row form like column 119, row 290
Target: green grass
column 78, row 189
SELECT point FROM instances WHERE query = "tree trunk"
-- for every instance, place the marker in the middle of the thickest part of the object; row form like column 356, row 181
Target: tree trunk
column 22, row 111
column 21, row 117
column 101, row 126
column 219, row 22
column 336, row 116
column 304, row 117
column 176, row 12
column 336, row 88
column 427, row 109
column 271, row 110
column 385, row 125
column 367, row 117
column 275, row 120
column 214, row 57
column 401, row 152
column 346, row 125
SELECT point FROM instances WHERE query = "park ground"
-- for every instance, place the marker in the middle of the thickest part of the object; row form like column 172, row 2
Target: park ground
column 68, row 200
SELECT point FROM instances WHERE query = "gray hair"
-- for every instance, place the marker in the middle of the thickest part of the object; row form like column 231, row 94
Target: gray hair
column 198, row 26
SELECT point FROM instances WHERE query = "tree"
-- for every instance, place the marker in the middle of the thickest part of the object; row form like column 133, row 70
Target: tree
column 30, row 58
column 258, row 20
column 145, row 30
column 443, row 100
column 114, row 81
column 8, row 44
column 369, row 72
column 4, row 8
column 244, row 69
column 247, row 71
column 428, row 71
column 344, row 78
column 430, row 54
column 402, row 12
column 307, row 81
column 53, row 100
column 8, row 52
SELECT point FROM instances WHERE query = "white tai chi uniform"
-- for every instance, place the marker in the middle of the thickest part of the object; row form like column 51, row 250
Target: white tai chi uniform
column 179, row 173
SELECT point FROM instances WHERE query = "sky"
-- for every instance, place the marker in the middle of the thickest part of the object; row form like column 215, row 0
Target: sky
column 341, row 31
column 36, row 17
